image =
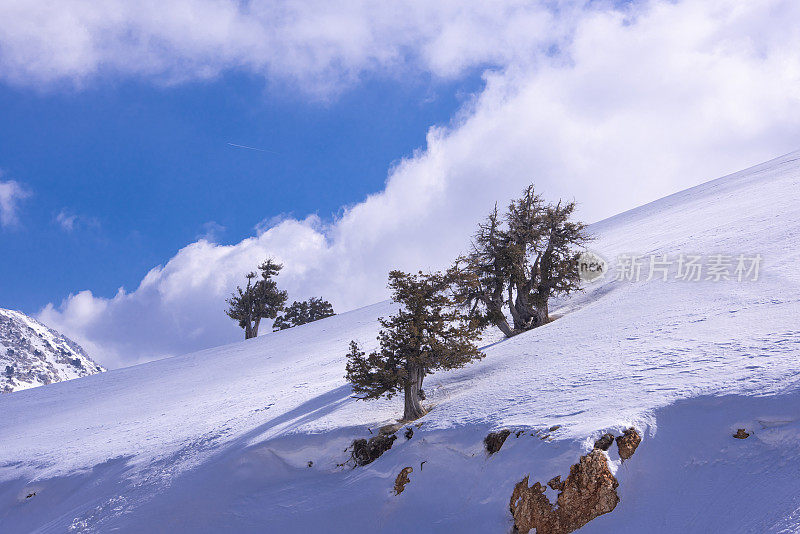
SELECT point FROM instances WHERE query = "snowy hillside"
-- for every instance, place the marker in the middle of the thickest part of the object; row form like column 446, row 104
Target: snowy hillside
column 249, row 437
column 33, row 355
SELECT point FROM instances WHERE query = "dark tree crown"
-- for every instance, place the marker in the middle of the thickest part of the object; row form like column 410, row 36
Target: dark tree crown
column 260, row 298
column 519, row 261
column 303, row 312
column 429, row 332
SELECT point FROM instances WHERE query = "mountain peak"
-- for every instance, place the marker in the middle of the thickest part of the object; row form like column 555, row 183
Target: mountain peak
column 31, row 354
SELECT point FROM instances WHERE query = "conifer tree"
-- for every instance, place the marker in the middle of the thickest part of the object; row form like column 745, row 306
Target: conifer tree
column 521, row 262
column 429, row 332
column 303, row 312
column 260, row 299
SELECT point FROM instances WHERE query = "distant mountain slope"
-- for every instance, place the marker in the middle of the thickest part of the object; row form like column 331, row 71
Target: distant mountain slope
column 32, row 354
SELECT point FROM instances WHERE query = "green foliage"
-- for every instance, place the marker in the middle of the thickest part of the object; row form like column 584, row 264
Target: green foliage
column 303, row 312
column 520, row 261
column 260, row 299
column 429, row 332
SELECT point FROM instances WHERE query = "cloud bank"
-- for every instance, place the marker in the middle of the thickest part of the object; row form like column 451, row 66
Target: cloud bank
column 611, row 106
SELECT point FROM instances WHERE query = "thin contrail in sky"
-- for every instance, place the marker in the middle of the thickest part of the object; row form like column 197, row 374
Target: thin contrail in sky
column 251, row 148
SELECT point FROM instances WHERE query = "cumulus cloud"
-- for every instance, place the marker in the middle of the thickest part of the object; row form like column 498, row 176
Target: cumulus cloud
column 316, row 45
column 11, row 194
column 612, row 107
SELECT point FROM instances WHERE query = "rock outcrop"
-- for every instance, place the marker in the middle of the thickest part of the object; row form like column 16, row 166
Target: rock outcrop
column 589, row 491
column 605, row 442
column 494, row 441
column 365, row 452
column 627, row 443
column 401, row 480
column 741, row 434
column 556, row 483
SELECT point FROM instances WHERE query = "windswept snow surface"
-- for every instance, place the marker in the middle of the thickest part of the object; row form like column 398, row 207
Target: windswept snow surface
column 220, row 440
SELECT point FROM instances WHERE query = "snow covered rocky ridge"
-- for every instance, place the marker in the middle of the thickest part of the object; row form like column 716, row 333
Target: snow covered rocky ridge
column 32, row 354
column 249, row 437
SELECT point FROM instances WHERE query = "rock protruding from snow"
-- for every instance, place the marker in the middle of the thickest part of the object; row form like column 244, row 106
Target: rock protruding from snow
column 589, row 491
column 494, row 440
column 628, row 442
column 32, row 354
column 605, row 442
column 402, row 479
column 365, row 452
column 741, row 434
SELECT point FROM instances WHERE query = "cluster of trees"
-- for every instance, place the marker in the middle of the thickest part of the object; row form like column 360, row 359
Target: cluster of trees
column 517, row 262
column 261, row 299
column 303, row 312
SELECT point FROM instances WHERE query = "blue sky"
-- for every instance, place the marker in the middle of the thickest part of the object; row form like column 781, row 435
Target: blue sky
column 147, row 169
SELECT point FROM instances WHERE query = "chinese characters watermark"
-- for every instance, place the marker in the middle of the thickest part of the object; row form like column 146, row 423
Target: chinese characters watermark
column 688, row 267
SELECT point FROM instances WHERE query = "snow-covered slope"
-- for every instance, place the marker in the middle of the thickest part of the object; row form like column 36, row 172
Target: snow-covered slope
column 32, row 354
column 221, row 440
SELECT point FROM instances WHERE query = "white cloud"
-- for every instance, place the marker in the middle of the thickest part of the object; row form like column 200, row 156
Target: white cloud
column 66, row 220
column 11, row 194
column 317, row 45
column 212, row 231
column 69, row 221
column 632, row 106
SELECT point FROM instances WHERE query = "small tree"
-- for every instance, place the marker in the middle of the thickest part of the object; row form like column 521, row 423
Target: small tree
column 260, row 299
column 429, row 332
column 303, row 312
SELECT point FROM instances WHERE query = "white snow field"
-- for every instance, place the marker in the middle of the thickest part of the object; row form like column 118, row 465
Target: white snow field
column 221, row 440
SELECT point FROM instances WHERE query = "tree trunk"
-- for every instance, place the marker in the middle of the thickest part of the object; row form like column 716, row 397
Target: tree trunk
column 542, row 311
column 248, row 331
column 255, row 327
column 413, row 386
column 495, row 308
column 502, row 323
column 519, row 322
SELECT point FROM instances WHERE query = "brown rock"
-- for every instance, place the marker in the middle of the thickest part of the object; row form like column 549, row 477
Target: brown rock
column 605, row 441
column 365, row 452
column 401, row 480
column 628, row 442
column 589, row 491
column 741, row 434
column 555, row 483
column 494, row 441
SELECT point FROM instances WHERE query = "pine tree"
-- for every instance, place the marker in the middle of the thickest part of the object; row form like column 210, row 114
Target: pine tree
column 520, row 262
column 549, row 264
column 260, row 299
column 429, row 332
column 303, row 312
